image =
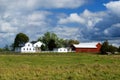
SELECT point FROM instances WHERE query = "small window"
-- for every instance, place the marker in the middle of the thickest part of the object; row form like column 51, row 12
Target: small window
column 27, row 48
column 30, row 48
column 23, row 48
column 36, row 45
column 28, row 44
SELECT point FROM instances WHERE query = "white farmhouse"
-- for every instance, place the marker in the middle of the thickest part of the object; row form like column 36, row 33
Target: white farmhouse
column 30, row 47
column 61, row 50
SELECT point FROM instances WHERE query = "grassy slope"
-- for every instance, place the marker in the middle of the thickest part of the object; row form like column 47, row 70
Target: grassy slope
column 59, row 67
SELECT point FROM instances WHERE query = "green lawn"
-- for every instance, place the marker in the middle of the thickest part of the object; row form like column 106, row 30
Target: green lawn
column 68, row 66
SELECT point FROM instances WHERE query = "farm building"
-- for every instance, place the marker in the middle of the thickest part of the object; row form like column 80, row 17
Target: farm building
column 30, row 47
column 87, row 47
column 62, row 50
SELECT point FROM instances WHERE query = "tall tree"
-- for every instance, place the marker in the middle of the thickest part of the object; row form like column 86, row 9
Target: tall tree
column 20, row 40
column 105, row 47
column 47, row 39
column 52, row 44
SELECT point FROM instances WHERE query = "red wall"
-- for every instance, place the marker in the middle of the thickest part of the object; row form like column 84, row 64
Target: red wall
column 89, row 49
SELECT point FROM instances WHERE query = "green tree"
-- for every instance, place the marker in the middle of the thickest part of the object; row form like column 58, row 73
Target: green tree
column 47, row 39
column 20, row 40
column 71, row 42
column 1, row 50
column 43, row 47
column 68, row 42
column 105, row 47
column 119, row 49
column 108, row 48
column 61, row 43
column 51, row 41
column 52, row 44
column 112, row 49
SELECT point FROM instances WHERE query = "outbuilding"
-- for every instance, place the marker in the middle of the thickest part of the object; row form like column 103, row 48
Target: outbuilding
column 60, row 50
column 87, row 47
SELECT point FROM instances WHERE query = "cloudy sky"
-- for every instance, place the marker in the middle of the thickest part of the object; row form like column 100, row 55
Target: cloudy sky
column 84, row 20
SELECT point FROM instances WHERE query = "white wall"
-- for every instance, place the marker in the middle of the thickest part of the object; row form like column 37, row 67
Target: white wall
column 61, row 50
column 27, row 49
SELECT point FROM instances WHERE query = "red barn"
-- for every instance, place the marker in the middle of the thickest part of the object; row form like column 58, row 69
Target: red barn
column 87, row 47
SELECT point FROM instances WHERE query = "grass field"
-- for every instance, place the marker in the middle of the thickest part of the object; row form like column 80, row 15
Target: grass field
column 69, row 66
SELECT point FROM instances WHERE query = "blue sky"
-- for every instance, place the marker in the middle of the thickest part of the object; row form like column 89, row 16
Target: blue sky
column 84, row 20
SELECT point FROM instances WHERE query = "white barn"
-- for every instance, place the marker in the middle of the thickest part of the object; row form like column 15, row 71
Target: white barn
column 30, row 47
column 61, row 50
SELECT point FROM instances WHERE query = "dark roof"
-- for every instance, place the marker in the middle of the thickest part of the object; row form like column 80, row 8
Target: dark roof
column 33, row 42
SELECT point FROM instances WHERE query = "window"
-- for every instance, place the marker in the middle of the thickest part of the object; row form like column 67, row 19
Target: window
column 28, row 44
column 36, row 45
column 27, row 48
column 23, row 48
column 30, row 48
column 60, row 50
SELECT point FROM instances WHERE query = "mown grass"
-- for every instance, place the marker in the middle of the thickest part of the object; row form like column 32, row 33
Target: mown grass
column 66, row 66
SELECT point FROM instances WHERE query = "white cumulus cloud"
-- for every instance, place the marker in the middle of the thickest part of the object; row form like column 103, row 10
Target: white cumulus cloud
column 36, row 4
column 35, row 17
column 87, row 18
column 66, row 32
column 114, row 7
column 6, row 27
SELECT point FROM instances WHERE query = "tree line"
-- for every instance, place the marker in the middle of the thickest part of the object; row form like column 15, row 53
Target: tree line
column 50, row 41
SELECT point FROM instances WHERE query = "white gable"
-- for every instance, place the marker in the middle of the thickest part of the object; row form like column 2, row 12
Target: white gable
column 38, row 44
column 28, row 44
column 86, row 45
